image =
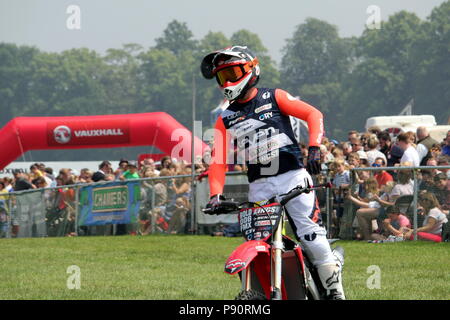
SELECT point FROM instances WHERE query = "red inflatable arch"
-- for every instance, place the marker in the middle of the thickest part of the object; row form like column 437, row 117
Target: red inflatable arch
column 108, row 131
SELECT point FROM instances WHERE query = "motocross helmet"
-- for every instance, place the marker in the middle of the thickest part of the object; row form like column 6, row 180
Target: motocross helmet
column 236, row 70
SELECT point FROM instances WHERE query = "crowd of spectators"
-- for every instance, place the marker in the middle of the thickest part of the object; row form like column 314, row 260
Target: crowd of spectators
column 166, row 198
column 374, row 194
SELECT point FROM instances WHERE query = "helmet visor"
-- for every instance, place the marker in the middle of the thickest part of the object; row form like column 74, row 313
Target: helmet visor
column 231, row 74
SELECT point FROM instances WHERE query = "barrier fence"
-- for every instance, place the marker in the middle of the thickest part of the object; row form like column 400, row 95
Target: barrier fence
column 172, row 205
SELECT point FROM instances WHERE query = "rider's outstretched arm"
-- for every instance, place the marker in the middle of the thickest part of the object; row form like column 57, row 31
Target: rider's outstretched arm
column 304, row 111
column 218, row 165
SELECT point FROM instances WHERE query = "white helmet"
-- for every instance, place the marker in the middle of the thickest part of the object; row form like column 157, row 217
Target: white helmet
column 236, row 70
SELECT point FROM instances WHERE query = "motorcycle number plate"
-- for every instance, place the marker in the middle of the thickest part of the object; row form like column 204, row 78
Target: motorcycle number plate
column 258, row 223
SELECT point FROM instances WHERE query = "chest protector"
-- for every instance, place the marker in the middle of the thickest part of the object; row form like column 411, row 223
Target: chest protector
column 261, row 136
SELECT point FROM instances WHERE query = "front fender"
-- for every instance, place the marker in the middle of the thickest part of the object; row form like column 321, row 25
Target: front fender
column 243, row 255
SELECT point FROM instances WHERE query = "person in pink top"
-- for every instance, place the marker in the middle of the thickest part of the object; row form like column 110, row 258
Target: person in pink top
column 396, row 223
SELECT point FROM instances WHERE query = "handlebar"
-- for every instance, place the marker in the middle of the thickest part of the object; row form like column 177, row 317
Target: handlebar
column 296, row 192
column 228, row 206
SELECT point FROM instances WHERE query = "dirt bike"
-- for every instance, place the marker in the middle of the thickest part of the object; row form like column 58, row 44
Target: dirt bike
column 272, row 265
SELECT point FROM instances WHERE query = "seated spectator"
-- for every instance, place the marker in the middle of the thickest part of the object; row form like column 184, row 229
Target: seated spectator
column 395, row 223
column 441, row 190
column 368, row 211
column 427, row 182
column 444, row 160
column 431, row 229
column 381, row 176
column 404, row 186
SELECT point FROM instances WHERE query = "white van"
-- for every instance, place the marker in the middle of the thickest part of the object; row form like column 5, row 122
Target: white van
column 398, row 124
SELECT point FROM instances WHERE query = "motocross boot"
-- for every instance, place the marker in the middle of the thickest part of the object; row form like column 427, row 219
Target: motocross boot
column 331, row 278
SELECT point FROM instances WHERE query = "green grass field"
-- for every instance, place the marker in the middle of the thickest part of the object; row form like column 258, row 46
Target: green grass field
column 191, row 267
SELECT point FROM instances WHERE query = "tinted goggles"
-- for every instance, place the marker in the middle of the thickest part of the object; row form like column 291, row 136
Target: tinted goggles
column 231, row 74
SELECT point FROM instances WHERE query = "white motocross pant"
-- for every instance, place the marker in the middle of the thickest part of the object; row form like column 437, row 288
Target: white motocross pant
column 312, row 236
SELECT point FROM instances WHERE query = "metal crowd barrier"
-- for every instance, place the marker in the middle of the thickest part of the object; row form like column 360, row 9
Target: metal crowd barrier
column 57, row 211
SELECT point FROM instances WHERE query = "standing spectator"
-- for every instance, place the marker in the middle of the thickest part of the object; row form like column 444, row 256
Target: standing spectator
column 149, row 164
column 346, row 149
column 104, row 168
column 385, row 142
column 424, row 144
column 85, row 176
column 434, row 219
column 404, row 141
column 446, row 147
column 356, row 145
column 341, row 181
column 353, row 135
column 131, row 172
column 166, row 162
column 123, row 164
column 3, row 191
column 35, row 172
column 353, row 160
column 21, row 181
column 8, row 184
column 373, row 153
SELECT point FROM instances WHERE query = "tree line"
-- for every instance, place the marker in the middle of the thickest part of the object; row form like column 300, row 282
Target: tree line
column 348, row 79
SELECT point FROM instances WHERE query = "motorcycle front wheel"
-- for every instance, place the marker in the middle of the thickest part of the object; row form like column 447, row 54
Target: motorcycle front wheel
column 250, row 295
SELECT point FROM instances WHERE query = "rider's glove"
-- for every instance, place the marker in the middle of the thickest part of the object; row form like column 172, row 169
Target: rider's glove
column 313, row 164
column 214, row 203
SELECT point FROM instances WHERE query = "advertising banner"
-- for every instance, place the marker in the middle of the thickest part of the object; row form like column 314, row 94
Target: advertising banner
column 30, row 215
column 111, row 203
column 88, row 132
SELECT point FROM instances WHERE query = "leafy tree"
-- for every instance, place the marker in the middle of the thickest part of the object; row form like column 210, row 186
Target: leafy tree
column 431, row 59
column 176, row 38
column 15, row 72
column 314, row 62
column 270, row 76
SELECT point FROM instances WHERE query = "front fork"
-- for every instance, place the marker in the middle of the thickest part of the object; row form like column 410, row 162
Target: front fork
column 276, row 267
column 277, row 251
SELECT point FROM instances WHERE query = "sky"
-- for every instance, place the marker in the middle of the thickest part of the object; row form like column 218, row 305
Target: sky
column 111, row 23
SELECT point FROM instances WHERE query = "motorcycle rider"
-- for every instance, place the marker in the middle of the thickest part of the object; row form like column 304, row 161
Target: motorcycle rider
column 257, row 122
